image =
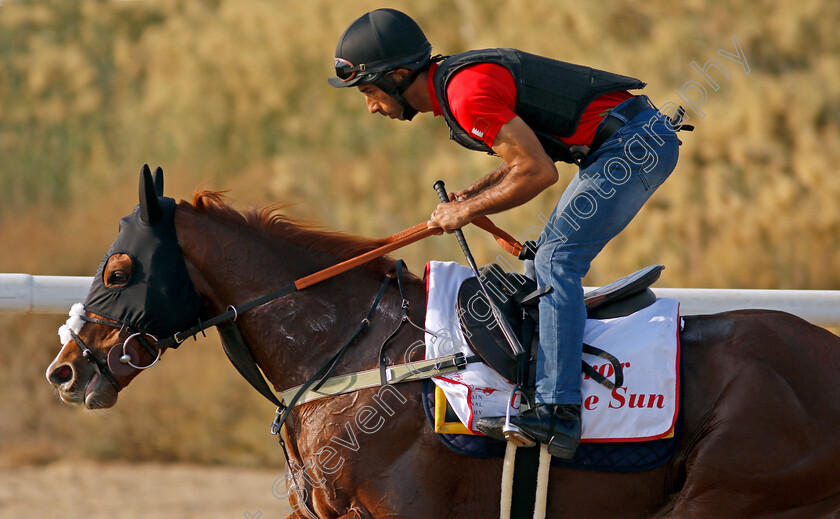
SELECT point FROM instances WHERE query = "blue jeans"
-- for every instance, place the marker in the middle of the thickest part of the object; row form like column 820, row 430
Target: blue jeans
column 609, row 189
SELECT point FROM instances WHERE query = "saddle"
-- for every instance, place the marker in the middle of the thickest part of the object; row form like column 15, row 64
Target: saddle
column 517, row 298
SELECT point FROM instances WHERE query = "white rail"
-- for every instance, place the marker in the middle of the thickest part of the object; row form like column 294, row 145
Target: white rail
column 821, row 307
column 56, row 294
column 44, row 294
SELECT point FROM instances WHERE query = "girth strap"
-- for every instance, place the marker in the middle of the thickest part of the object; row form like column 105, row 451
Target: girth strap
column 408, row 372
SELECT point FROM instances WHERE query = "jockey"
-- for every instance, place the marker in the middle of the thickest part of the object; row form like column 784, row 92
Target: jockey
column 532, row 112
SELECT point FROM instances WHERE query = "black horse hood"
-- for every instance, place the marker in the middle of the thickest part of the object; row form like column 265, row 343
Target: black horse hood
column 159, row 298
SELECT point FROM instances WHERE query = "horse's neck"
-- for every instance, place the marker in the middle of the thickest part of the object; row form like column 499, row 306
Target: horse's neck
column 293, row 335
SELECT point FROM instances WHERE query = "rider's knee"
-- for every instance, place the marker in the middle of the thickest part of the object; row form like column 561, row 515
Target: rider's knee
column 554, row 260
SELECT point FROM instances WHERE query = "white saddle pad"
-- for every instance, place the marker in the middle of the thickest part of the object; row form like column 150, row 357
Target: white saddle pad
column 646, row 343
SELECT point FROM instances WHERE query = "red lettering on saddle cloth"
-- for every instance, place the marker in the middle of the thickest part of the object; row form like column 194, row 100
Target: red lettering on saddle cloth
column 635, row 401
column 605, row 370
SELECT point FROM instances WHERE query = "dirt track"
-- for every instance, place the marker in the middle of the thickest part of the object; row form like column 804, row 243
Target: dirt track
column 133, row 491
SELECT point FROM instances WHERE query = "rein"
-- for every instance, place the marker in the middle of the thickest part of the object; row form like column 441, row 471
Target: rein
column 253, row 376
column 243, row 360
column 392, row 243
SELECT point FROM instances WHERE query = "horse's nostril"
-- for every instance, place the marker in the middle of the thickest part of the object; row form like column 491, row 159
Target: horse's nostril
column 61, row 375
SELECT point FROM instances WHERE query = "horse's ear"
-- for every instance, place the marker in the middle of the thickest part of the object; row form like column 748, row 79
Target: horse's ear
column 150, row 211
column 158, row 178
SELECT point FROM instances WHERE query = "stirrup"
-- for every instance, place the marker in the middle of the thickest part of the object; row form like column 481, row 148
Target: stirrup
column 515, row 436
column 513, row 433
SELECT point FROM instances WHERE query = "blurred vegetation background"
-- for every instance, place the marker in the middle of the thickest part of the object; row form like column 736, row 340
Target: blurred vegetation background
column 232, row 95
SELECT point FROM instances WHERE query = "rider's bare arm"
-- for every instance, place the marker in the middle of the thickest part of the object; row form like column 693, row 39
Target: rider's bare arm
column 491, row 179
column 529, row 171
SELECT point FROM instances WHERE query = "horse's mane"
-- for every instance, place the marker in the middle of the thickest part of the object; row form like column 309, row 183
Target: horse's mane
column 268, row 221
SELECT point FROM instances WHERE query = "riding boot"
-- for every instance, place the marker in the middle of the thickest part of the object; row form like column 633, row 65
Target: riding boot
column 555, row 425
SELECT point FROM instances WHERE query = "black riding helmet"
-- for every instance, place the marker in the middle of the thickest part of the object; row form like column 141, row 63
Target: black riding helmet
column 379, row 42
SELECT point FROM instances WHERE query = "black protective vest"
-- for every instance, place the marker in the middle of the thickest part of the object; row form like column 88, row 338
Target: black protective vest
column 551, row 95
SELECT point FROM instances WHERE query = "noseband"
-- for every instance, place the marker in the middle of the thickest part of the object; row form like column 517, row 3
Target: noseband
column 117, row 362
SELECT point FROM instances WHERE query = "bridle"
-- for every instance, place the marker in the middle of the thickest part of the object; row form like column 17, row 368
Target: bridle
column 120, row 360
column 115, row 362
column 117, row 359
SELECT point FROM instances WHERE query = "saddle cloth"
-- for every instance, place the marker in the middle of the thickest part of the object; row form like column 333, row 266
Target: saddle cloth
column 646, row 343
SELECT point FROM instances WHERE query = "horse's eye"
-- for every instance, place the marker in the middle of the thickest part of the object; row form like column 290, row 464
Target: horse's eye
column 118, row 270
column 117, row 278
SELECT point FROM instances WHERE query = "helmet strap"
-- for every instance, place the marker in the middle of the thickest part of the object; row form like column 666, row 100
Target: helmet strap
column 396, row 90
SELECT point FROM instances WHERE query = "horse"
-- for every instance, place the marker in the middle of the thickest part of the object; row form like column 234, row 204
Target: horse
column 760, row 409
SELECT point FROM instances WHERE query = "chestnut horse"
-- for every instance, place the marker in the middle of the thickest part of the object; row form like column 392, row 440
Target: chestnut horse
column 760, row 403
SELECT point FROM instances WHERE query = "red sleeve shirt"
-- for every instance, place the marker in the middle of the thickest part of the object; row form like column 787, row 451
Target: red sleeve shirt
column 483, row 98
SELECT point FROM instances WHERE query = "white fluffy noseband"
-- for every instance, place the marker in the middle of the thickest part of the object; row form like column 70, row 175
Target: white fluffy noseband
column 74, row 324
